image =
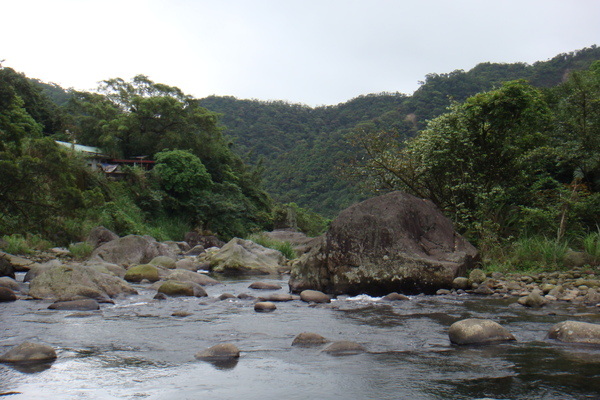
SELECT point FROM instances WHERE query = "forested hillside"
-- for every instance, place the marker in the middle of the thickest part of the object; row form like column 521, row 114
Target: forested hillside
column 302, row 148
column 506, row 150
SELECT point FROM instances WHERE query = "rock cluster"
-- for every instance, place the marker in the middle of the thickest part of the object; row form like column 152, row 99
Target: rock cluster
column 532, row 290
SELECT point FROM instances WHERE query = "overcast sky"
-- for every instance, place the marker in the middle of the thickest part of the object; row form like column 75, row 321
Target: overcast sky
column 315, row 52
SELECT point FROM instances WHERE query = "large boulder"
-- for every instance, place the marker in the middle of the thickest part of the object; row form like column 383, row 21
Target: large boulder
column 131, row 250
column 245, row 257
column 391, row 243
column 74, row 282
column 575, row 332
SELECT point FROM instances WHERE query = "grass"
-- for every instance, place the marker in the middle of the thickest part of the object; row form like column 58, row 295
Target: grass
column 591, row 244
column 539, row 252
column 19, row 244
column 81, row 250
column 284, row 247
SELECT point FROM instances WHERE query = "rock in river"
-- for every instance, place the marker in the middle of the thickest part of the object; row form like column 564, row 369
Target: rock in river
column 314, row 296
column 6, row 295
column 391, row 243
column 241, row 256
column 131, row 250
column 74, row 282
column 79, row 305
column 221, row 351
column 478, row 331
column 575, row 332
column 343, row 348
column 306, row 339
column 177, row 288
column 140, row 272
column 29, row 353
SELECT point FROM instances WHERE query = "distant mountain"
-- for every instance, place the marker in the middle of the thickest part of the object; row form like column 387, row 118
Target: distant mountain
column 300, row 146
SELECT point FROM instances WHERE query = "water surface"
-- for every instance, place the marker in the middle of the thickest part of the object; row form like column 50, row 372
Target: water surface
column 136, row 349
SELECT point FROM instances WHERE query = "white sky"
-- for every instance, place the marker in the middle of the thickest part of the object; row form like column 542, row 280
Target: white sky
column 314, row 52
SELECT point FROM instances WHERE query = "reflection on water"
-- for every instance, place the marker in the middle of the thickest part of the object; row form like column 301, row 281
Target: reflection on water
column 137, row 349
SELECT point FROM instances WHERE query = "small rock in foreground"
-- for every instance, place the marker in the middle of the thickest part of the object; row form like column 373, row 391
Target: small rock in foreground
column 29, row 353
column 478, row 331
column 344, row 348
column 306, row 339
column 221, row 351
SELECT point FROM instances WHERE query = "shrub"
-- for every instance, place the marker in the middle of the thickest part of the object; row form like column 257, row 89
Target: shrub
column 591, row 244
column 284, row 247
column 81, row 250
column 16, row 244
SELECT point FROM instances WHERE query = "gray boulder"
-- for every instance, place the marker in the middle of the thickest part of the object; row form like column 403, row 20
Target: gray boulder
column 264, row 286
column 219, row 352
column 74, row 282
column 478, row 331
column 29, row 353
column 314, row 296
column 187, row 264
column 307, row 339
column 131, row 250
column 79, row 305
column 142, row 272
column 7, row 295
column 245, row 257
column 177, row 288
column 6, row 268
column 100, row 235
column 344, row 348
column 575, row 332
column 535, row 299
column 391, row 243
column 395, row 297
column 164, row 262
column 9, row 283
column 264, row 306
column 190, row 276
column 19, row 264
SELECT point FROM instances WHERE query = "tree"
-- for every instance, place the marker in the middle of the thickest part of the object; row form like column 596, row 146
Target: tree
column 469, row 161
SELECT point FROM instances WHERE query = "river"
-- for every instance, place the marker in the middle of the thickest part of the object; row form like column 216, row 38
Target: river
column 137, row 349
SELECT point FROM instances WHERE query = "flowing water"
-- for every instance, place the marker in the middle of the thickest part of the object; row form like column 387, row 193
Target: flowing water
column 136, row 349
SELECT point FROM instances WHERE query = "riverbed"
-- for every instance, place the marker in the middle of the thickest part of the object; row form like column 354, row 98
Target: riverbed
column 137, row 349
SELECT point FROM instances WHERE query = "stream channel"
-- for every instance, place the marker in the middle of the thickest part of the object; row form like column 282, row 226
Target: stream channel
column 136, row 349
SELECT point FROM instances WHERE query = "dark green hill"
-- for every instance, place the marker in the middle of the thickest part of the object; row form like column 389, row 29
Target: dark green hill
column 301, row 146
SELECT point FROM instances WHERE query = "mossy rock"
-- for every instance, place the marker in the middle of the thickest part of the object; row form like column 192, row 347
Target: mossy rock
column 141, row 272
column 178, row 288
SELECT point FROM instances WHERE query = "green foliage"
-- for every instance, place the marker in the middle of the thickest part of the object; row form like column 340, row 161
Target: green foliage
column 81, row 250
column 16, row 244
column 284, row 248
column 539, row 252
column 591, row 244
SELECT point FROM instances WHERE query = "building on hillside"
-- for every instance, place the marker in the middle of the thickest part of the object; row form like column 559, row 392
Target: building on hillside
column 92, row 155
column 98, row 161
